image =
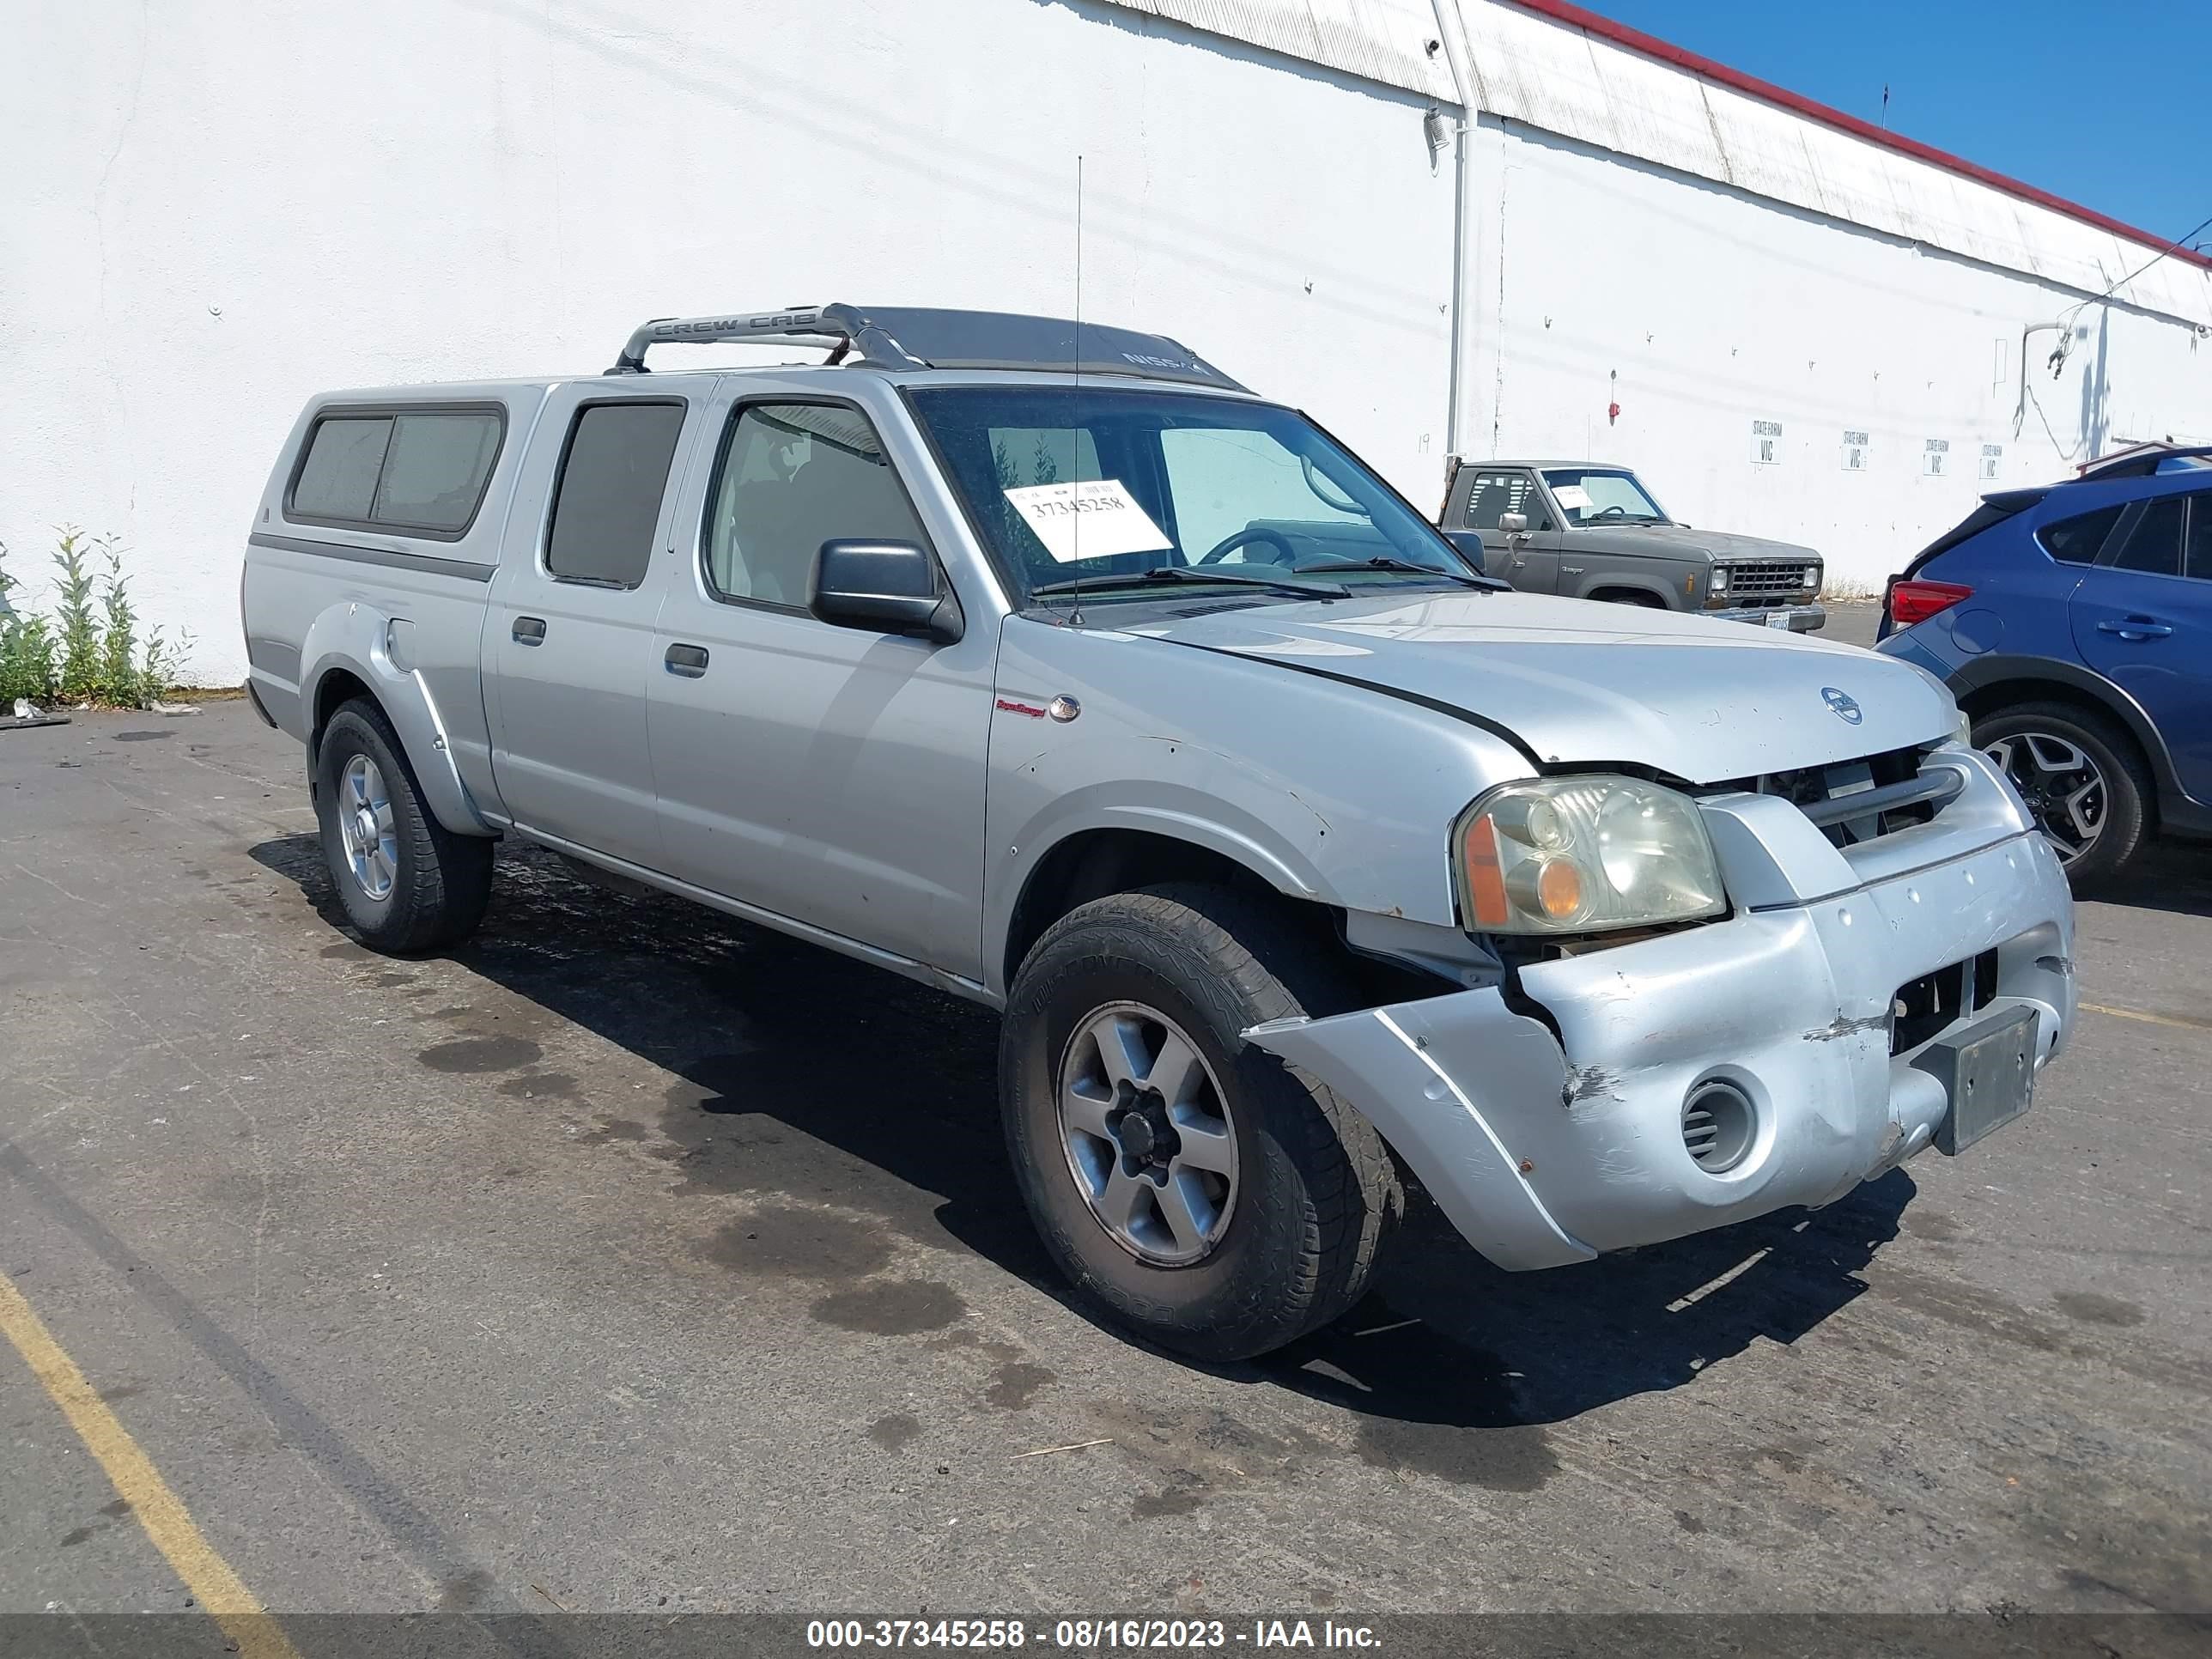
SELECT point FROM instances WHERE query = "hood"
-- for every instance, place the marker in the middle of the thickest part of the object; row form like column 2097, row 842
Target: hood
column 1580, row 683
column 1681, row 538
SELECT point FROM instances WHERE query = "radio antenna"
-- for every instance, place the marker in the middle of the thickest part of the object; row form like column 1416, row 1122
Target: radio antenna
column 1075, row 399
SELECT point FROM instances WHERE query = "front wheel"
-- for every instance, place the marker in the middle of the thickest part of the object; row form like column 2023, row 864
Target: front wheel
column 1193, row 1188
column 408, row 884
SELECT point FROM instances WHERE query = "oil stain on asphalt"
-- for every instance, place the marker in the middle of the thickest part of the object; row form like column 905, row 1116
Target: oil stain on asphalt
column 896, row 1306
column 481, row 1054
column 1014, row 1385
column 896, row 1431
column 793, row 1241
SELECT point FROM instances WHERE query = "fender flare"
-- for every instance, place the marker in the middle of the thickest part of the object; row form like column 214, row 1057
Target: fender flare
column 1995, row 670
column 356, row 637
column 1269, row 850
column 1638, row 583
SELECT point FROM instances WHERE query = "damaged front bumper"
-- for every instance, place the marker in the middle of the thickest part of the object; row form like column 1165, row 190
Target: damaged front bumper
column 1549, row 1139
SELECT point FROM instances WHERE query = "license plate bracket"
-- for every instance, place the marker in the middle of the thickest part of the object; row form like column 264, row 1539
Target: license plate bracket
column 1988, row 1072
column 1778, row 619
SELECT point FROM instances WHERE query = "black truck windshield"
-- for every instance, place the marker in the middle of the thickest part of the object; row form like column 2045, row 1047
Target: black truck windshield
column 1105, row 483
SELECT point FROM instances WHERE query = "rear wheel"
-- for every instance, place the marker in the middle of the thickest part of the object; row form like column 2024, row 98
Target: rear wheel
column 1193, row 1188
column 408, row 884
column 2082, row 778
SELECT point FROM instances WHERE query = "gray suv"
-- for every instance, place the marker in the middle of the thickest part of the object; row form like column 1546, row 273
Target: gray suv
column 1596, row 532
column 1048, row 666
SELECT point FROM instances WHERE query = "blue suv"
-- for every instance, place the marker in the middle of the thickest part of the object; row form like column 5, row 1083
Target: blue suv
column 2074, row 623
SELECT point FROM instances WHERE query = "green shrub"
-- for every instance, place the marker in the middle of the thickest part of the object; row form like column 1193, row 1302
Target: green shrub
column 89, row 650
column 75, row 626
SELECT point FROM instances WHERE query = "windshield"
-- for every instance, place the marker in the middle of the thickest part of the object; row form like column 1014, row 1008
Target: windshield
column 1108, row 482
column 1595, row 495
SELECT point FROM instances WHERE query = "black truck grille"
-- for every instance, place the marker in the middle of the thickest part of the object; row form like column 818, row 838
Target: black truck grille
column 1861, row 800
column 1766, row 579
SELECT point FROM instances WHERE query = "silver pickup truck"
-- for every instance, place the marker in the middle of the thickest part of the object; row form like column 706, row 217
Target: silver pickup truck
column 1048, row 664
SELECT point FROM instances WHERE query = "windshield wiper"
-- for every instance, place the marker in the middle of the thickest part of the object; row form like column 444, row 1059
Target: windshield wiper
column 1186, row 572
column 1382, row 561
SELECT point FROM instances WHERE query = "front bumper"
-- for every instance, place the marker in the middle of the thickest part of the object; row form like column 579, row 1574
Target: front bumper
column 1797, row 618
column 1547, row 1140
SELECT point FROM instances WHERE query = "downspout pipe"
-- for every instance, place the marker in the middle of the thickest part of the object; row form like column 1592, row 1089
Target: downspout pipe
column 1451, row 33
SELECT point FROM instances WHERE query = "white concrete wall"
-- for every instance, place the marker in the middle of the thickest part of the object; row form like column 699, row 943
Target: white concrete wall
column 1699, row 309
column 213, row 208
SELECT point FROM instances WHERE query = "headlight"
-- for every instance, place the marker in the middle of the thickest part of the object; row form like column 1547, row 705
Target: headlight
column 1719, row 584
column 1577, row 855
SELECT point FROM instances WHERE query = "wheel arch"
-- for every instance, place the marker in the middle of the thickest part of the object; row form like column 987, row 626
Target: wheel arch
column 1615, row 590
column 347, row 654
column 1091, row 863
column 1987, row 685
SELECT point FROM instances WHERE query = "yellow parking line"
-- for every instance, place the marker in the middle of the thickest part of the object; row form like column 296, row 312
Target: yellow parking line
column 139, row 1484
column 2175, row 1020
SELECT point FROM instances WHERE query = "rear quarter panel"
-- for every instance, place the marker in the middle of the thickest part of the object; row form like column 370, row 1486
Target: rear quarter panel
column 404, row 614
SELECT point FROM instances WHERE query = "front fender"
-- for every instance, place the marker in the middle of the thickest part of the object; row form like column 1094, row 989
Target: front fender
column 1166, row 786
column 358, row 638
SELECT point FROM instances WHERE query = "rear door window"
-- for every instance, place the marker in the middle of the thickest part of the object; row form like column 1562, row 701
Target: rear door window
column 2154, row 545
column 420, row 471
column 2076, row 540
column 2196, row 552
column 1495, row 494
column 606, row 502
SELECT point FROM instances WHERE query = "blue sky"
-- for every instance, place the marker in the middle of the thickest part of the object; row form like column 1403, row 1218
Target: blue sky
column 2108, row 104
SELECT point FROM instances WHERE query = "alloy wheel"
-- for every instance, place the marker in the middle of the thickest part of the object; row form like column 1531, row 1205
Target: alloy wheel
column 1148, row 1134
column 2064, row 789
column 364, row 809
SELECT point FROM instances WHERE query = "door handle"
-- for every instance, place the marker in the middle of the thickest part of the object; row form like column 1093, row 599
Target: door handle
column 2135, row 628
column 688, row 660
column 530, row 630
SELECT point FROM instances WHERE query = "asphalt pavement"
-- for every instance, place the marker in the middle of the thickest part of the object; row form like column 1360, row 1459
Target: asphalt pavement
column 628, row 1258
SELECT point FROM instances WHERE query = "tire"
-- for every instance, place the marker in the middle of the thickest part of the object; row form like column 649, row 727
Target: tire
column 2031, row 741
column 434, row 885
column 1315, row 1191
column 1629, row 596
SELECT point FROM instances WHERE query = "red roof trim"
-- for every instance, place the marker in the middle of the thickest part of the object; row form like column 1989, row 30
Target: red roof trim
column 1561, row 11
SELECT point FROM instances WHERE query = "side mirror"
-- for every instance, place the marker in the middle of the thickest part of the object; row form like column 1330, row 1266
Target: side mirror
column 887, row 587
column 1468, row 543
column 1513, row 524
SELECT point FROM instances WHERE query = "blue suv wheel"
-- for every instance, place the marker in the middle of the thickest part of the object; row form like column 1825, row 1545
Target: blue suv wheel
column 2080, row 776
column 2074, row 623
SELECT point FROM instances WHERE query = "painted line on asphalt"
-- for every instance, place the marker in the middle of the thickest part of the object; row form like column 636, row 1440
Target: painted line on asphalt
column 2177, row 1021
column 168, row 1523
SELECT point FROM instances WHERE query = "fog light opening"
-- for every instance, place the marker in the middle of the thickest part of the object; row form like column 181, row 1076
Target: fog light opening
column 1719, row 1124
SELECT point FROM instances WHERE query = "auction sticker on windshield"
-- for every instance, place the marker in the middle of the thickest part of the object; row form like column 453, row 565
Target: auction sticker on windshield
column 1573, row 497
column 1091, row 519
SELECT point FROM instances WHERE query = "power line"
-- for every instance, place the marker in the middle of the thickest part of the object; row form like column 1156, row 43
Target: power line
column 2175, row 246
